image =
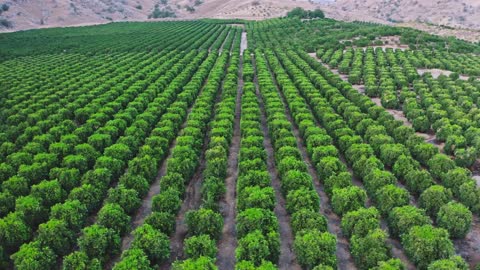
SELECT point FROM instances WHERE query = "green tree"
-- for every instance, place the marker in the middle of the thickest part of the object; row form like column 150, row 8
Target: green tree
column 360, row 222
column 203, row 263
column 371, row 249
column 306, row 219
column 256, row 197
column 341, row 180
column 392, row 264
column 73, row 213
column 417, row 181
column 433, row 198
column 154, row 243
column 32, row 210
column 127, row 198
column 56, row 235
column 452, row 263
column 348, row 199
column 425, row 244
column 13, row 231
column 314, row 248
column 297, row 12
column 391, row 196
column 201, row 245
column 204, row 221
column 440, row 164
column 48, row 192
column 133, row 258
column 113, row 217
column 79, row 260
column 17, row 186
column 402, row 219
column 99, row 242
column 303, row 198
column 455, row 218
column 33, row 256
column 162, row 221
column 253, row 247
column 256, row 219
column 167, row 201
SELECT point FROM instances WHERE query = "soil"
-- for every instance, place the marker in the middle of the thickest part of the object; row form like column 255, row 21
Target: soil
column 469, row 247
column 228, row 241
column 243, row 43
column 437, row 72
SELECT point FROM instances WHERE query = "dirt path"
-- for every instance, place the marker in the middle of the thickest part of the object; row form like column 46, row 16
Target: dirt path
column 228, row 241
column 287, row 258
column 243, row 43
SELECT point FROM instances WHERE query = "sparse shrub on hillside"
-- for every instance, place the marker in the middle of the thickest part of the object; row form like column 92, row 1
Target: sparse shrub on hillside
column 158, row 13
column 306, row 14
column 190, row 8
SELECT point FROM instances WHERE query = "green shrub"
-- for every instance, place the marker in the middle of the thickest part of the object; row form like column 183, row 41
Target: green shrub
column 56, row 235
column 348, row 199
column 204, row 221
column 371, row 249
column 402, row 219
column 256, row 197
column 313, row 248
column 433, row 198
column 201, row 245
column 305, row 219
column 303, row 198
column 112, row 216
column 167, row 201
column 34, row 256
column 452, row 263
column 133, row 258
column 99, row 242
column 425, row 244
column 155, row 244
column 455, row 218
column 192, row 264
column 256, row 219
column 391, row 196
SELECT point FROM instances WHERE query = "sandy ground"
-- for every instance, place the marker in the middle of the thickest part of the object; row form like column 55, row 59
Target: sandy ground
column 437, row 72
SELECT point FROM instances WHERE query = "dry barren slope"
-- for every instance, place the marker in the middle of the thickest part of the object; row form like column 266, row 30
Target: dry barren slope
column 454, row 13
column 26, row 14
